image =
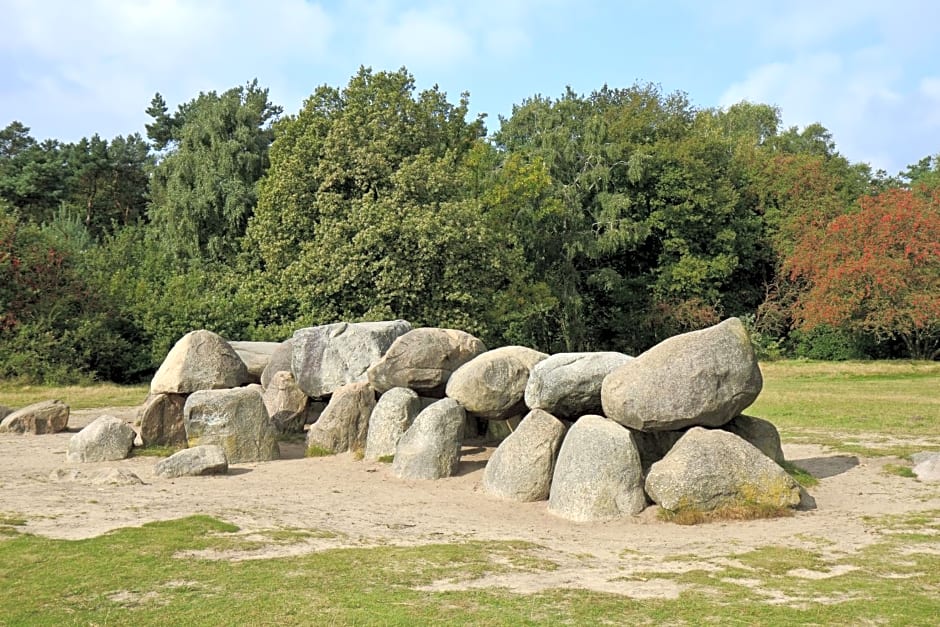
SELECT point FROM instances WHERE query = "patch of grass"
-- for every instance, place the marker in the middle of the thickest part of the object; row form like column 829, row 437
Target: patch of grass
column 386, row 459
column 317, row 451
column 878, row 396
column 899, row 470
column 359, row 454
column 734, row 511
column 292, row 438
column 801, row 476
column 155, row 450
column 75, row 396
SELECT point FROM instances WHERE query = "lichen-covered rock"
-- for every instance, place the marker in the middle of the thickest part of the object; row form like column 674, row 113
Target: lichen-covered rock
column 161, row 420
column 702, row 378
column 492, row 384
column 234, row 419
column 758, row 432
column 200, row 360
column 105, row 439
column 711, row 468
column 568, row 385
column 255, row 355
column 37, row 419
column 393, row 414
column 598, row 475
column 344, row 423
column 286, row 403
column 208, row 459
column 280, row 361
column 332, row 355
column 520, row 469
column 423, row 360
column 430, row 448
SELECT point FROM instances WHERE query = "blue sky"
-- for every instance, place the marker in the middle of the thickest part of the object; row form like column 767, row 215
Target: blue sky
column 867, row 70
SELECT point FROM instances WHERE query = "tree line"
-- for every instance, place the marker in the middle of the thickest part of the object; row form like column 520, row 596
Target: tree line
column 607, row 221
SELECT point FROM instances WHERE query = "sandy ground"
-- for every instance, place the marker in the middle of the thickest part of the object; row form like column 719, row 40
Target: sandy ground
column 362, row 504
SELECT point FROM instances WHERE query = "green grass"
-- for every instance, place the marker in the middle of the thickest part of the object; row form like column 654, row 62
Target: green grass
column 75, row 396
column 176, row 572
column 800, row 475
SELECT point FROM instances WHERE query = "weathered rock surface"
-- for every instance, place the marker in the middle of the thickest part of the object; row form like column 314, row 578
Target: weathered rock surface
column 927, row 467
column 393, row 414
column 520, row 469
column 234, row 419
column 759, row 433
column 208, row 459
column 423, row 360
column 568, row 385
column 37, row 419
column 161, row 420
column 200, row 360
column 703, row 378
column 96, row 476
column 430, row 448
column 711, row 468
column 598, row 475
column 329, row 356
column 280, row 361
column 344, row 423
column 105, row 439
column 286, row 403
column 255, row 356
column 492, row 384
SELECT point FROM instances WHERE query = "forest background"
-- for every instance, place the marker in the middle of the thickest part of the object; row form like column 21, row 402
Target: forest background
column 606, row 221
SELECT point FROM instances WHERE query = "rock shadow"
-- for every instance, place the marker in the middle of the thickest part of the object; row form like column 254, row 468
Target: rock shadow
column 824, row 467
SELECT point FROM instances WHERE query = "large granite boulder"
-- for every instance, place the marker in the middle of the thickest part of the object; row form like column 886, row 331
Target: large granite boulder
column 329, row 356
column 430, row 448
column 208, row 459
column 200, row 360
column 520, row 469
column 711, row 468
column 568, row 385
column 344, row 423
column 255, row 356
column 492, row 384
column 280, row 361
column 758, row 432
column 393, row 414
column 703, row 378
column 598, row 475
column 286, row 403
column 161, row 420
column 234, row 419
column 423, row 360
column 105, row 439
column 927, row 466
column 37, row 419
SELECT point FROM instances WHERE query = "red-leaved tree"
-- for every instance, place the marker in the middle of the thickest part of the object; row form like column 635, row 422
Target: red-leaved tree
column 877, row 270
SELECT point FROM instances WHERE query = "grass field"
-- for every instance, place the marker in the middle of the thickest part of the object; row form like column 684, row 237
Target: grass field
column 75, row 396
column 159, row 574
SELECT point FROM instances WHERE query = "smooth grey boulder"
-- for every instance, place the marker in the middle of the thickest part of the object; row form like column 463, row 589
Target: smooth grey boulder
column 492, row 384
column 423, row 360
column 200, row 360
column 234, row 419
column 255, row 356
column 161, row 420
column 430, row 448
column 104, row 439
column 207, row 459
column 702, row 378
column 598, row 475
column 393, row 414
column 286, row 403
column 329, row 356
column 37, row 419
column 759, row 433
column 568, row 385
column 711, row 468
column 344, row 423
column 521, row 468
column 927, row 467
column 280, row 361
